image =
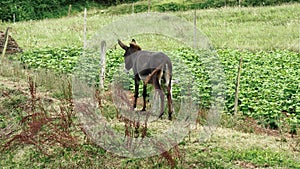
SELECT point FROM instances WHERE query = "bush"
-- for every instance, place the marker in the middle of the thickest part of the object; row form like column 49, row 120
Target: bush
column 173, row 6
column 265, row 2
column 170, row 7
column 11, row 10
column 114, row 2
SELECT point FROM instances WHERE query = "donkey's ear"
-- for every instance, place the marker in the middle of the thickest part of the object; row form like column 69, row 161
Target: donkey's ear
column 133, row 41
column 122, row 45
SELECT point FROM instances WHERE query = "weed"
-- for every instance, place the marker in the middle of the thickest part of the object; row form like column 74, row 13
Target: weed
column 32, row 90
column 42, row 129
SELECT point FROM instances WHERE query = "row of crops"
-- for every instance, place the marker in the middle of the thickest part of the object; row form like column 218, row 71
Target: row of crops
column 269, row 86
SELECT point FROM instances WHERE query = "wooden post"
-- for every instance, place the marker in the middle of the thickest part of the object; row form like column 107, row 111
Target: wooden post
column 14, row 18
column 84, row 30
column 195, row 29
column 239, row 3
column 69, row 10
column 149, row 3
column 237, row 85
column 102, row 64
column 132, row 7
column 5, row 42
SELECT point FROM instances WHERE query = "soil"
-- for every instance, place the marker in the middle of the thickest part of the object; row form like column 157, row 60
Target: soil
column 12, row 46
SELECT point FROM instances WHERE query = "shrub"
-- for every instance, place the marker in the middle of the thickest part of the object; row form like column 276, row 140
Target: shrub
column 37, row 9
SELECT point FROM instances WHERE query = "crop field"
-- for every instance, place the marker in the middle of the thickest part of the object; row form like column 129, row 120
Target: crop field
column 39, row 128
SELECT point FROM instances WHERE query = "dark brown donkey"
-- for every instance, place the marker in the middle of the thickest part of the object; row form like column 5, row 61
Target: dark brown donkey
column 151, row 67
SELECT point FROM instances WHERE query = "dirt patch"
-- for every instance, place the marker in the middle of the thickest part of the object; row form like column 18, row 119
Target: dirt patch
column 12, row 46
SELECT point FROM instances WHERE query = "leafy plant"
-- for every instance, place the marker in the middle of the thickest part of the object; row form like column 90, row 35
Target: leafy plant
column 269, row 80
column 61, row 60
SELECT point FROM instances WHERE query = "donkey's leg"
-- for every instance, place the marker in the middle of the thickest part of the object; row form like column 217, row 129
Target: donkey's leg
column 144, row 96
column 136, row 90
column 169, row 97
column 158, row 88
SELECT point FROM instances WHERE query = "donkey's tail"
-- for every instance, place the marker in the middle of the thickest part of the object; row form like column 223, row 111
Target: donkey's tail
column 167, row 75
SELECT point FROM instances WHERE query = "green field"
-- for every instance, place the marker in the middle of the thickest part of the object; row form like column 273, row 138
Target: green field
column 37, row 123
column 261, row 28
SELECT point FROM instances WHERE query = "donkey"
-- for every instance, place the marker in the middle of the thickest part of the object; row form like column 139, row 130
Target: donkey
column 151, row 67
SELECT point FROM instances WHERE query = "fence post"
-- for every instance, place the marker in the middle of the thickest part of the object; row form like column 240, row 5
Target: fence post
column 5, row 42
column 102, row 64
column 237, row 85
column 14, row 18
column 195, row 29
column 132, row 7
column 69, row 10
column 149, row 3
column 84, row 30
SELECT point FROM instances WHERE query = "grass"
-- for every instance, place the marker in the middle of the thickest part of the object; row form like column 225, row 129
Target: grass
column 229, row 148
column 226, row 148
column 260, row 28
column 240, row 146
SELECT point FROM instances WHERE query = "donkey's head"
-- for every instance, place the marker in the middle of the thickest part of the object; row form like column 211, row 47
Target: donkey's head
column 132, row 48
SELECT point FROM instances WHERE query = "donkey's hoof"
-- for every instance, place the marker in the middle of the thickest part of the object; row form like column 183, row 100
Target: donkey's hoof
column 161, row 114
column 170, row 116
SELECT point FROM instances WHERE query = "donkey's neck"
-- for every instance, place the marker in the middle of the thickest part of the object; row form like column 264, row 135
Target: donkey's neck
column 133, row 57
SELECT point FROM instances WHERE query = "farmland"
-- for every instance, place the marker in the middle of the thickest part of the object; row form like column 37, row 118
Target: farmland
column 266, row 37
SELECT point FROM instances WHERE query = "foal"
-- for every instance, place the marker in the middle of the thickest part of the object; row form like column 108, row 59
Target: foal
column 151, row 67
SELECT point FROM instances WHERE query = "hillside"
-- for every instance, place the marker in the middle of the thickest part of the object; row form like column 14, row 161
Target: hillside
column 224, row 148
column 40, row 129
column 261, row 28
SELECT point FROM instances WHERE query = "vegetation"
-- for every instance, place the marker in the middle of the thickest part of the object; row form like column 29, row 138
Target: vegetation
column 264, row 93
column 37, row 123
column 264, row 28
column 13, row 10
column 185, row 5
column 57, row 59
column 47, row 136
